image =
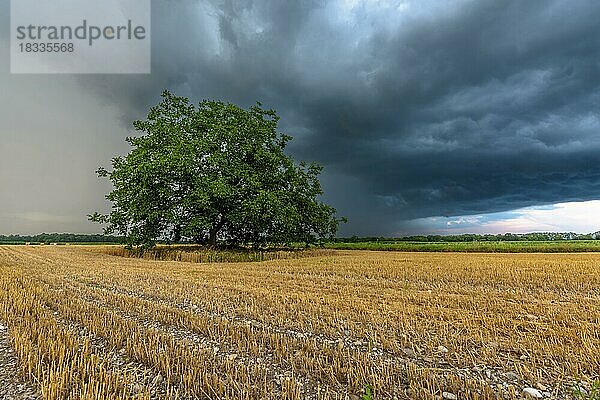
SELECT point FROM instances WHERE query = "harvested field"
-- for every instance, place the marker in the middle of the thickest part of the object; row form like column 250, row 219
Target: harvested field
column 87, row 325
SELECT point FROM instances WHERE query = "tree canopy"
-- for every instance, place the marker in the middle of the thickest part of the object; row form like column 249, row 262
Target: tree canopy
column 213, row 173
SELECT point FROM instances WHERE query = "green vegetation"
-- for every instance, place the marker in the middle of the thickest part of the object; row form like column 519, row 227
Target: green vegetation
column 471, row 237
column 213, row 174
column 47, row 238
column 592, row 394
column 368, row 393
column 564, row 246
column 239, row 253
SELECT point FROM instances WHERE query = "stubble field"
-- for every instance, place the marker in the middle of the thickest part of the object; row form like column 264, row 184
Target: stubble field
column 76, row 323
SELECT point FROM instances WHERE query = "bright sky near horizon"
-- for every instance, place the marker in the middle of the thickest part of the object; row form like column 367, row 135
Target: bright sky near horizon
column 578, row 217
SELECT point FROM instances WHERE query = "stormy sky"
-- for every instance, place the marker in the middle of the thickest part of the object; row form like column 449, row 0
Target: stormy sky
column 428, row 116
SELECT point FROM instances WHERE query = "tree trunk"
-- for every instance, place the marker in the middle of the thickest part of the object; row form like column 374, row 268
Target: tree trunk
column 212, row 238
column 214, row 231
column 177, row 234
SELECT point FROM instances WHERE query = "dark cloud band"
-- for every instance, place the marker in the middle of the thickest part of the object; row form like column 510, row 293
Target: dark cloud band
column 427, row 108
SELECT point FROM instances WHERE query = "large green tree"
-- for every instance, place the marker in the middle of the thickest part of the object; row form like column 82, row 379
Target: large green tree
column 213, row 173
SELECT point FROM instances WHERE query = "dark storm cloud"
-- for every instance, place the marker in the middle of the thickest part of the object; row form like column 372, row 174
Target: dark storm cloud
column 416, row 108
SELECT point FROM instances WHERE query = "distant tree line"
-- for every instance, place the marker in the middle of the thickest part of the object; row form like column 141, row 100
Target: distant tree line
column 60, row 238
column 506, row 237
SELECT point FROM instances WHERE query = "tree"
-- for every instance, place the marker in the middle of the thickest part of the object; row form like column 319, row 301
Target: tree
column 210, row 174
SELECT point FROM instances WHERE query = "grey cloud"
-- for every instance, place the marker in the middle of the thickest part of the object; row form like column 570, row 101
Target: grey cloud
column 416, row 109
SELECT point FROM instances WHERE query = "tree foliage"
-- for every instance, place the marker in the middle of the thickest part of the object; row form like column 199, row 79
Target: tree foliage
column 213, row 173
